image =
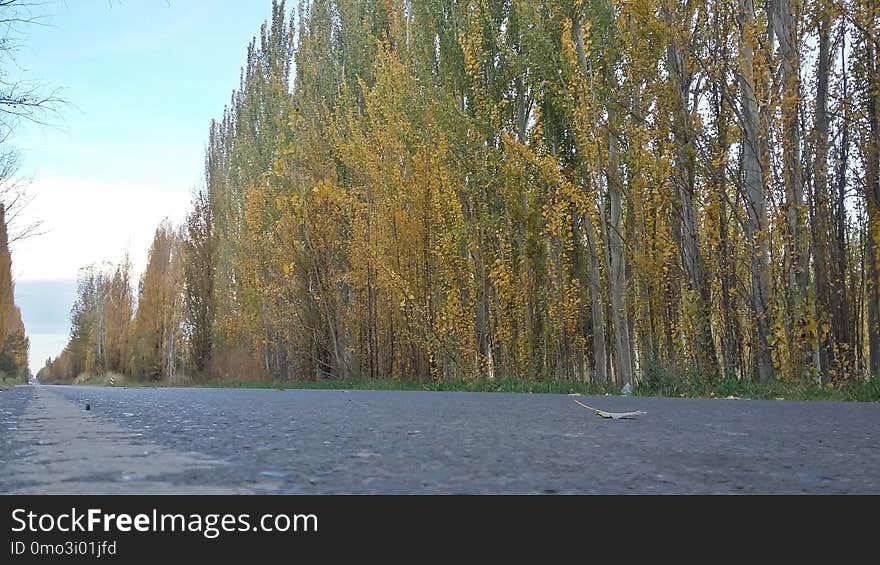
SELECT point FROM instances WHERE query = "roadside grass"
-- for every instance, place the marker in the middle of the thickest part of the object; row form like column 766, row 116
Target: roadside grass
column 500, row 385
column 857, row 390
column 8, row 382
column 654, row 384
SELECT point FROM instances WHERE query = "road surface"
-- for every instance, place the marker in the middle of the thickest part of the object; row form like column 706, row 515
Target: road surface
column 174, row 440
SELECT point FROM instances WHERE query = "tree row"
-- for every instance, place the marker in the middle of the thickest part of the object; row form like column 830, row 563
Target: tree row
column 563, row 189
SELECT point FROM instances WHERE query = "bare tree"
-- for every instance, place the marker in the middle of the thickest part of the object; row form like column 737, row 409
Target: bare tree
column 15, row 197
column 19, row 100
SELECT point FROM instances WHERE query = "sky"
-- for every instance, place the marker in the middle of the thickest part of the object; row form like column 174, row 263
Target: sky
column 141, row 81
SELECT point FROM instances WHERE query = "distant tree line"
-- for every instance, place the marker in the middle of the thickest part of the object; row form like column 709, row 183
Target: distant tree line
column 110, row 335
column 562, row 189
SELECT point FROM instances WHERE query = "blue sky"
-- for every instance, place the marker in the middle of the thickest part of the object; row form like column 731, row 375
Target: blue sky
column 142, row 79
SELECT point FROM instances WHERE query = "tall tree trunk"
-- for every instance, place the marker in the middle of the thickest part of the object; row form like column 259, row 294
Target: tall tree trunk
column 827, row 300
column 797, row 246
column 726, row 264
column 597, row 308
column 685, row 226
column 848, row 322
column 872, row 191
column 754, row 197
column 617, row 262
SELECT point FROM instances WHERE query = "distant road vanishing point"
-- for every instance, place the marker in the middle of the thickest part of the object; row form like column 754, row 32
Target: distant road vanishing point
column 177, row 440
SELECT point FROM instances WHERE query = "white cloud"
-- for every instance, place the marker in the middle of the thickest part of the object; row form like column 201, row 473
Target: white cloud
column 86, row 223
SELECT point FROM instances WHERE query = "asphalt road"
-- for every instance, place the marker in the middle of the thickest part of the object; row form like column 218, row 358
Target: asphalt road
column 153, row 440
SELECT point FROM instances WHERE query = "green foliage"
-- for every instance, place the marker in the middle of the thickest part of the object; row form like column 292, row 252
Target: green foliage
column 15, row 347
column 673, row 386
column 691, row 386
